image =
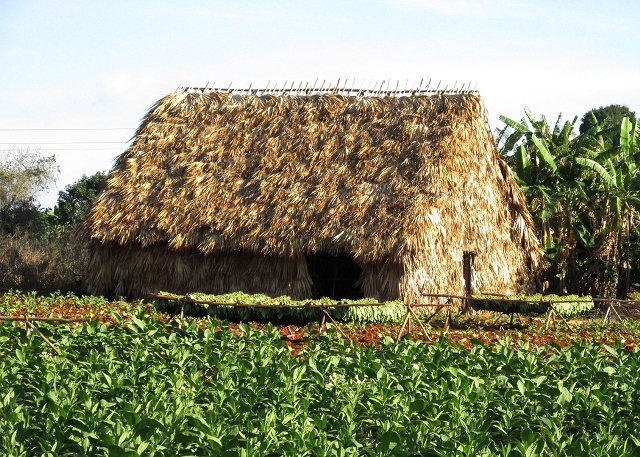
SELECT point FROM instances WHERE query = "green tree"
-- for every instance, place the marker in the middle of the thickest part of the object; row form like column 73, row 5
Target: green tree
column 542, row 160
column 614, row 178
column 75, row 201
column 583, row 191
column 605, row 121
column 24, row 174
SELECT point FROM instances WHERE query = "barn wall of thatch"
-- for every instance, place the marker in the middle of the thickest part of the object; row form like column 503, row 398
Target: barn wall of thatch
column 404, row 185
column 135, row 272
column 381, row 280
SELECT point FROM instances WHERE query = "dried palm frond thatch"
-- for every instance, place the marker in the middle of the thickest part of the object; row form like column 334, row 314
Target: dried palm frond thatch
column 220, row 191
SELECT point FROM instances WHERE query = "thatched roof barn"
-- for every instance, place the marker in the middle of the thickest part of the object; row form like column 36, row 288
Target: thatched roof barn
column 311, row 195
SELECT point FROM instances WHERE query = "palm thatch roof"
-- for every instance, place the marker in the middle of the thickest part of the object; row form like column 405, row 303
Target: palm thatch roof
column 415, row 179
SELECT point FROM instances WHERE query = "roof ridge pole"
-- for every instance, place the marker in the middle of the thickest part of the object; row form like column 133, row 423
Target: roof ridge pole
column 304, row 91
column 229, row 88
column 298, row 89
column 249, row 89
column 436, row 91
column 314, row 86
column 405, row 86
column 265, row 89
column 380, row 88
column 454, row 87
column 322, row 86
column 335, row 88
column 397, row 85
column 428, row 85
column 344, row 87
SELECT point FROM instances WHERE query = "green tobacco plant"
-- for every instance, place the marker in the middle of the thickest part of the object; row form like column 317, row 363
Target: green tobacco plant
column 182, row 388
column 283, row 308
column 567, row 305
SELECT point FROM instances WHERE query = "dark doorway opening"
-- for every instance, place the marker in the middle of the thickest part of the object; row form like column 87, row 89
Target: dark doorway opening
column 334, row 276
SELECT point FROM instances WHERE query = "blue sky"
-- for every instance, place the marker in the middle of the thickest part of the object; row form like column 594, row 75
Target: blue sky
column 101, row 64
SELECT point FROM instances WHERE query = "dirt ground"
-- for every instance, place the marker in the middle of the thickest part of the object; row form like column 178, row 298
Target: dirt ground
column 485, row 327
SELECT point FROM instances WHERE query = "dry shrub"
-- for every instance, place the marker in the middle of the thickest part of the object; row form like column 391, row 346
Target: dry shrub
column 43, row 265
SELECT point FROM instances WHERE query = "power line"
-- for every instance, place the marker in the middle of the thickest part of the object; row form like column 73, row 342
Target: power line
column 70, row 142
column 82, row 149
column 32, row 130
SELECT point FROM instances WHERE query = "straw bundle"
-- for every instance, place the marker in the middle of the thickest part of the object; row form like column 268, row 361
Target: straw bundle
column 223, row 192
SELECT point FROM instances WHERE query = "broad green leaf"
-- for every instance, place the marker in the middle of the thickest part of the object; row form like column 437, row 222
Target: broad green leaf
column 544, row 154
column 599, row 169
column 417, row 406
column 117, row 451
column 522, row 128
column 626, row 135
column 523, row 165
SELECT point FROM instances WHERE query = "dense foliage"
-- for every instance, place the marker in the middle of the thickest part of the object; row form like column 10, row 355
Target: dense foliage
column 23, row 174
column 42, row 249
column 150, row 388
column 74, row 202
column 583, row 191
column 610, row 115
column 283, row 308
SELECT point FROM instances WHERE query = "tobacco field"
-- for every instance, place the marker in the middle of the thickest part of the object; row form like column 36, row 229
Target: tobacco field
column 134, row 382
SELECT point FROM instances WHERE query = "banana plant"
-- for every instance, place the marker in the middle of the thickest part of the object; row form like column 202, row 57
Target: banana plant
column 542, row 160
column 614, row 176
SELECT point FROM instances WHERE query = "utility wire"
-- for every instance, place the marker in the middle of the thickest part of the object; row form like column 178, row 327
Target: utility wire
column 70, row 142
column 32, row 130
column 81, row 149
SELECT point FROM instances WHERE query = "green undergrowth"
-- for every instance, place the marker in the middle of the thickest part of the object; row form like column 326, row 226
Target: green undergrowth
column 184, row 388
column 284, row 309
column 567, row 305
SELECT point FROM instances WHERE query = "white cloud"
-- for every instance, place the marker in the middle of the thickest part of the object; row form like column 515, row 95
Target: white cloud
column 467, row 7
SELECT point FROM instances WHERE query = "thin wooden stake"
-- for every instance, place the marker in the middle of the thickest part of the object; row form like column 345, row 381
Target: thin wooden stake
column 616, row 311
column 337, row 326
column 404, row 323
column 424, row 330
column 46, row 340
